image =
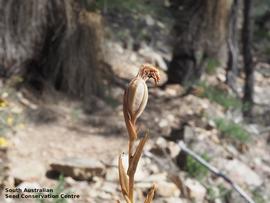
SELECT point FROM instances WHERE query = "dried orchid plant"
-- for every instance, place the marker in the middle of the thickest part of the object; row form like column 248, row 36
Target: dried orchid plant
column 135, row 100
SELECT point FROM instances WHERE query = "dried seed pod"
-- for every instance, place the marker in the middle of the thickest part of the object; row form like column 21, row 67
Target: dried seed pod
column 136, row 96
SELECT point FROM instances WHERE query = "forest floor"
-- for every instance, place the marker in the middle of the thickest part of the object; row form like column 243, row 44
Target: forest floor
column 42, row 136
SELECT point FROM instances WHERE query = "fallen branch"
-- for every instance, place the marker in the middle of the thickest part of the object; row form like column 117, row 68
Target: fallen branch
column 214, row 170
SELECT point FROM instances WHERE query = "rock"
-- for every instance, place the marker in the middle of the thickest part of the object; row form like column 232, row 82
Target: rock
column 235, row 197
column 221, row 76
column 144, row 185
column 242, row 174
column 174, row 90
column 112, row 174
column 109, row 187
column 173, row 149
column 164, row 147
column 154, row 58
column 156, row 177
column 104, row 195
column 142, row 170
column 258, row 76
column 153, row 168
column 149, row 20
column 161, row 25
column 118, row 48
column 161, row 142
column 96, row 182
column 70, row 181
column 195, row 190
column 26, row 172
column 163, row 123
column 167, row 189
column 29, row 185
column 188, row 134
column 93, row 193
column 171, row 200
column 232, row 150
column 79, row 168
column 133, row 57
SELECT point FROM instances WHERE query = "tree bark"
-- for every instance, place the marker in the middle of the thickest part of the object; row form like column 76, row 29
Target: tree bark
column 232, row 42
column 200, row 31
column 248, row 61
column 51, row 43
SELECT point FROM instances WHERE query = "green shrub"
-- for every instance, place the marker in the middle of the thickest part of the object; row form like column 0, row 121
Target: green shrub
column 232, row 130
column 59, row 188
column 223, row 98
column 212, row 65
column 258, row 197
column 195, row 169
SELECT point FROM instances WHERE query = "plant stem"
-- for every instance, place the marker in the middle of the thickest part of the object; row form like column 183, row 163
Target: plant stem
column 130, row 151
column 131, row 185
column 131, row 176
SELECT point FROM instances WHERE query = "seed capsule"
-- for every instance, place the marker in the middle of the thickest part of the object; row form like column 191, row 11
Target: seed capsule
column 136, row 97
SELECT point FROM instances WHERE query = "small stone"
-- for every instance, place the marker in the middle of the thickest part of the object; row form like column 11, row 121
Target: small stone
column 119, row 49
column 109, row 187
column 154, row 57
column 188, row 133
column 78, row 168
column 97, row 182
column 173, row 200
column 104, row 195
column 149, row 20
column 93, row 193
column 195, row 190
column 161, row 25
column 161, row 142
column 163, row 123
column 133, row 57
column 153, row 169
column 165, row 128
column 144, row 185
column 26, row 172
column 142, row 171
column 241, row 173
column 163, row 145
column 70, row 181
column 232, row 150
column 174, row 90
column 29, row 185
column 167, row 189
column 156, row 177
column 112, row 174
column 221, row 77
column 258, row 76
column 173, row 148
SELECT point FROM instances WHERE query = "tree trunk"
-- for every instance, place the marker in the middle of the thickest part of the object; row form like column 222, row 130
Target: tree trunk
column 248, row 62
column 51, row 42
column 200, row 32
column 232, row 42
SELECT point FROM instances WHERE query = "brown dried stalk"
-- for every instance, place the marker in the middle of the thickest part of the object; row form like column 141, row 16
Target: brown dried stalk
column 134, row 102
